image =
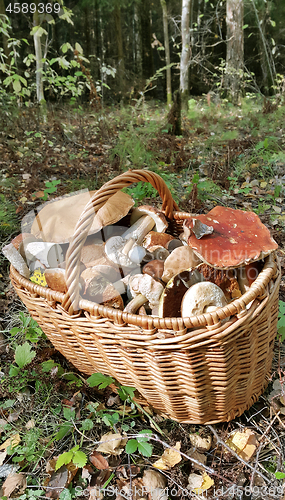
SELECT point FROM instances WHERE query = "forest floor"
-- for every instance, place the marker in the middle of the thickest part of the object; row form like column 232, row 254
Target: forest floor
column 230, row 156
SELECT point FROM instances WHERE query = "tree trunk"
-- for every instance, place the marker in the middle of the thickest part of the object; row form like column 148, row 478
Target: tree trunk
column 39, row 66
column 147, row 56
column 119, row 39
column 185, row 53
column 235, row 49
column 4, row 39
column 167, row 52
column 137, row 42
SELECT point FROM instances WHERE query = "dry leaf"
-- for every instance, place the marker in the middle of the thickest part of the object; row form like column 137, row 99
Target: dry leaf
column 12, row 441
column 243, row 443
column 112, row 444
column 60, row 480
column 12, row 482
column 202, row 443
column 207, row 483
column 3, row 456
column 169, row 458
column 95, row 493
column 195, row 481
column 200, row 457
column 199, row 483
column 30, row 424
column 98, row 460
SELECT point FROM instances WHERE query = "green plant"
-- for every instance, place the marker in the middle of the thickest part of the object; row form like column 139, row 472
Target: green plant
column 75, row 456
column 27, row 330
column 281, row 321
column 51, row 187
column 140, row 443
column 8, row 218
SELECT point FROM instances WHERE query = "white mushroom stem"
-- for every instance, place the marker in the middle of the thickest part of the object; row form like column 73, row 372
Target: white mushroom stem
column 118, row 248
column 135, row 304
column 139, row 229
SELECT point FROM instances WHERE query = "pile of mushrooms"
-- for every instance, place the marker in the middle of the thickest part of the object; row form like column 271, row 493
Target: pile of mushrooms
column 129, row 261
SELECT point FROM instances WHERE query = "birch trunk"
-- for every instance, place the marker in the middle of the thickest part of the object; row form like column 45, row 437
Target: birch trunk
column 39, row 67
column 185, row 53
column 167, row 52
column 235, row 49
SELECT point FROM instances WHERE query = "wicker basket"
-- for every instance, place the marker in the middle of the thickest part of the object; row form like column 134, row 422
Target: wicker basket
column 203, row 369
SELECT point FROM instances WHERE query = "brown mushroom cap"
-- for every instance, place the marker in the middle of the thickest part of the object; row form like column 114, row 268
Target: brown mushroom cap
column 154, row 240
column 238, row 238
column 57, row 220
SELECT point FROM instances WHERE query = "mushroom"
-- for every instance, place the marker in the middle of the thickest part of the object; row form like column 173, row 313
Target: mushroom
column 225, row 279
column 238, row 238
column 143, row 288
column 200, row 297
column 118, row 248
column 16, row 260
column 158, row 216
column 155, row 240
column 154, row 268
column 180, row 259
column 57, row 220
column 49, row 254
column 248, row 274
column 171, row 298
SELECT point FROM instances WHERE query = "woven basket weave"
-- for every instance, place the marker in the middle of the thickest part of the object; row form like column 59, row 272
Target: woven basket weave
column 203, row 369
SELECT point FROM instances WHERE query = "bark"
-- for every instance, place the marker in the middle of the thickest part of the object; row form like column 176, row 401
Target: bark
column 137, row 42
column 4, row 39
column 235, row 49
column 167, row 52
column 39, row 67
column 119, row 39
column 147, row 56
column 185, row 53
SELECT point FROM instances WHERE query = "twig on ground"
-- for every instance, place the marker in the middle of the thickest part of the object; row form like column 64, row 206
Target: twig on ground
column 220, row 441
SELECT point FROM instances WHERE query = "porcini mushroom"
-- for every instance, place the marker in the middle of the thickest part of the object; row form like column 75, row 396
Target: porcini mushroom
column 238, row 238
column 200, row 297
column 158, row 216
column 179, row 260
column 143, row 288
column 118, row 248
column 171, row 297
column 57, row 220
column 226, row 279
column 154, row 268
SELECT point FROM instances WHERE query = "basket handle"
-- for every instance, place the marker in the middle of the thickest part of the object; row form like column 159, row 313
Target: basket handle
column 71, row 298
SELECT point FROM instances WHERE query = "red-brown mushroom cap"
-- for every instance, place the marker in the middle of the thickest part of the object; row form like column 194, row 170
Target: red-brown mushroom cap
column 238, row 238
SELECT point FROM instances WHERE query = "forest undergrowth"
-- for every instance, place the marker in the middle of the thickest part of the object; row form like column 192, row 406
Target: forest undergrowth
column 54, row 420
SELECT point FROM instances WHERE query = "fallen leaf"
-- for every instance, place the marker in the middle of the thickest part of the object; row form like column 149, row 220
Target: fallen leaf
column 243, row 443
column 202, row 443
column 112, row 443
column 195, row 481
column 12, row 441
column 98, row 460
column 30, row 424
column 169, row 458
column 12, row 482
column 60, row 480
column 207, row 483
column 3, row 456
column 200, row 457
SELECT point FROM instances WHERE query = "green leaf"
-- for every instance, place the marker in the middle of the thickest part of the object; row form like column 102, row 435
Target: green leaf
column 245, row 26
column 145, row 449
column 63, row 459
column 131, row 446
column 48, row 365
column 14, row 371
column 65, row 495
column 79, row 458
column 24, row 355
column 69, row 414
column 100, row 380
column 87, row 424
column 279, row 475
column 63, row 431
column 142, row 439
column 17, row 86
column 126, row 392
